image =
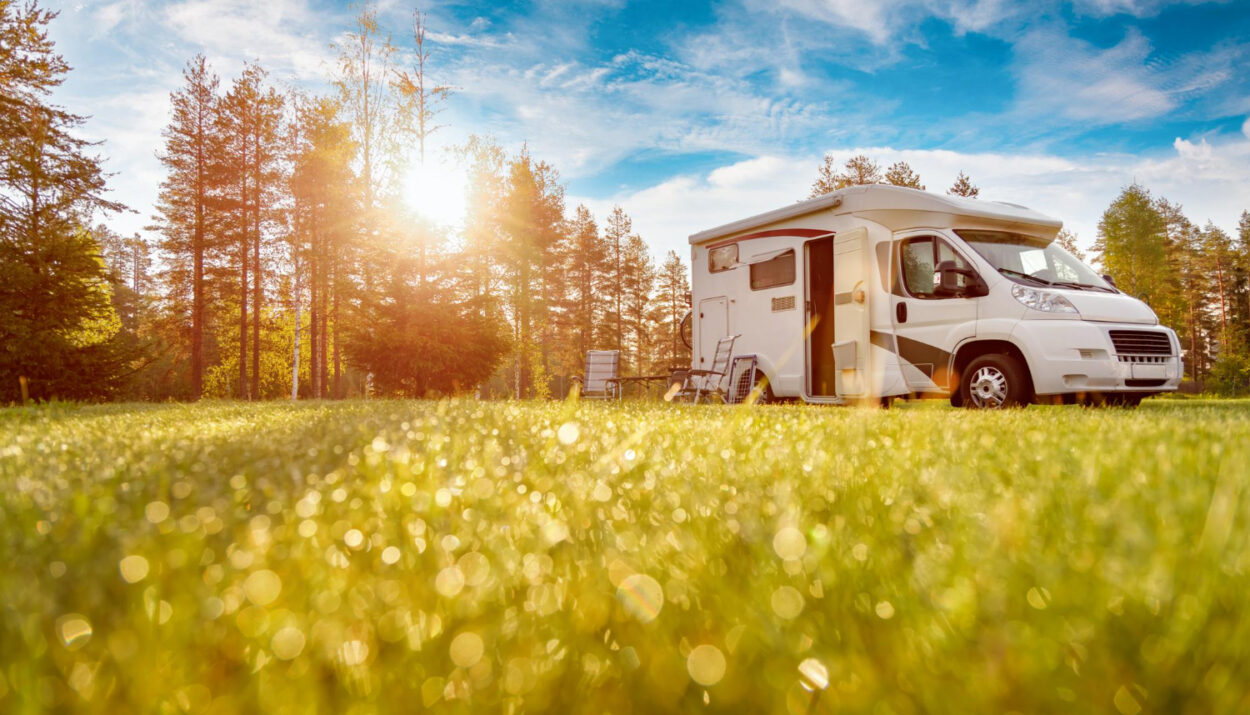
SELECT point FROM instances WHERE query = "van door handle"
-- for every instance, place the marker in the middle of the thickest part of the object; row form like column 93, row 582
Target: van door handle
column 900, row 312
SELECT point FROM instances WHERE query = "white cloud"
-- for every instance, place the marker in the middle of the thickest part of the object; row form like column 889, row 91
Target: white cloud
column 1060, row 75
column 287, row 36
column 1208, row 180
column 884, row 21
column 1136, row 8
column 584, row 118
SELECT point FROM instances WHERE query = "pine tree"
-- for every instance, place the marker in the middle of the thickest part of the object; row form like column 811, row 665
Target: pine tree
column 900, row 174
column 1132, row 241
column 672, row 302
column 531, row 223
column 57, row 322
column 323, row 215
column 858, row 170
column 637, row 284
column 1182, row 286
column 1067, row 240
column 185, row 219
column 250, row 124
column 585, row 254
column 615, row 236
column 1217, row 259
column 963, row 187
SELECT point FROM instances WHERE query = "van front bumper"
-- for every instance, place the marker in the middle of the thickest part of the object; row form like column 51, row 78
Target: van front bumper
column 1076, row 356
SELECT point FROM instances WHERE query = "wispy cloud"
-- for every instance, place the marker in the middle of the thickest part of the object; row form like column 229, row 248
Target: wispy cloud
column 586, row 117
column 286, row 36
column 1061, row 75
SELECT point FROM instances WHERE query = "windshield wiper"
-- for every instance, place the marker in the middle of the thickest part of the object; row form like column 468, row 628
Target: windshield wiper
column 1067, row 284
column 1026, row 276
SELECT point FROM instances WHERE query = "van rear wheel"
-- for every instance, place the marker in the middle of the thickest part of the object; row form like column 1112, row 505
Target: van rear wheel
column 993, row 382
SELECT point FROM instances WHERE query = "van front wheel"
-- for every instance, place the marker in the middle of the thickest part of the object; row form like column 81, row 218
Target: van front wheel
column 993, row 382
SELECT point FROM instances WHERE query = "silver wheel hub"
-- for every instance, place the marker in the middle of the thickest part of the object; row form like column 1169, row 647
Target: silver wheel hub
column 988, row 387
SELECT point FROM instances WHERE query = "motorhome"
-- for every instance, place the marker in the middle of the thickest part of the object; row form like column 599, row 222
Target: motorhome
column 875, row 292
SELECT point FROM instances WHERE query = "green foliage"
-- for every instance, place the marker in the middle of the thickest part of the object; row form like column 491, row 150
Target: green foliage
column 963, row 187
column 900, row 174
column 1230, row 375
column 571, row 557
column 414, row 349
column 858, row 170
column 1132, row 238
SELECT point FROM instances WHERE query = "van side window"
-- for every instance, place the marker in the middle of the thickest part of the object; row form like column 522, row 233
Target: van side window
column 920, row 258
column 722, row 258
column 777, row 271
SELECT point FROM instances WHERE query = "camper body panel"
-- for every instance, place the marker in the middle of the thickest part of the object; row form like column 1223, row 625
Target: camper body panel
column 772, row 278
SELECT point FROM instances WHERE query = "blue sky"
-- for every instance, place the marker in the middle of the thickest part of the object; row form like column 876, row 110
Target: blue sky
column 691, row 114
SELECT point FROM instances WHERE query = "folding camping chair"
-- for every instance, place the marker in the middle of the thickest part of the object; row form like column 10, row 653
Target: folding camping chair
column 600, row 378
column 710, row 383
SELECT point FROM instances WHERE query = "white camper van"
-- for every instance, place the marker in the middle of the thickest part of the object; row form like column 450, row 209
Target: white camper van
column 873, row 292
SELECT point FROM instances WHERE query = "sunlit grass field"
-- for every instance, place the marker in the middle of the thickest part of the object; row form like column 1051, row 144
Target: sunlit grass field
column 520, row 557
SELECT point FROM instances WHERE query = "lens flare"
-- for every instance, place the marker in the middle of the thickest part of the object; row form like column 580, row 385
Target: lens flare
column 641, row 596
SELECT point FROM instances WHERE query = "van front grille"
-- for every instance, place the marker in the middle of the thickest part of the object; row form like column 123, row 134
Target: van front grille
column 1141, row 342
column 1145, row 359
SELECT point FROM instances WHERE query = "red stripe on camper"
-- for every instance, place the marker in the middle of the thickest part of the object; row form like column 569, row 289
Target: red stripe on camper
column 796, row 232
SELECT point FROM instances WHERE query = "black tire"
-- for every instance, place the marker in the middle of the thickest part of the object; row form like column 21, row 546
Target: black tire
column 994, row 382
column 687, row 330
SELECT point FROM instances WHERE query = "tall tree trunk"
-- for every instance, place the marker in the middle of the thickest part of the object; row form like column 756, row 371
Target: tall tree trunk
column 243, row 315
column 338, row 361
column 1193, row 342
column 257, row 273
column 197, row 281
column 314, row 297
column 1219, row 277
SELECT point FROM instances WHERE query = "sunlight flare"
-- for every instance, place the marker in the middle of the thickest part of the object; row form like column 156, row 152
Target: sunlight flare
column 436, row 190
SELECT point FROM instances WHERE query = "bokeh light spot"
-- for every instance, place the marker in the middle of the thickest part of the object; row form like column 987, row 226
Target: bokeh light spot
column 641, row 596
column 134, row 568
column 466, row 649
column 706, row 665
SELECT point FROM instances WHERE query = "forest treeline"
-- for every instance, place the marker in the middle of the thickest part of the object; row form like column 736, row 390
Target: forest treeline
column 1196, row 278
column 282, row 260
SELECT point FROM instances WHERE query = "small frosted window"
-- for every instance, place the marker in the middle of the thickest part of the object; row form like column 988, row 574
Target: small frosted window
column 722, row 259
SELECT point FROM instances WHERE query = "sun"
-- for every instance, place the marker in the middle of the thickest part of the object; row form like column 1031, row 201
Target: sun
column 436, row 190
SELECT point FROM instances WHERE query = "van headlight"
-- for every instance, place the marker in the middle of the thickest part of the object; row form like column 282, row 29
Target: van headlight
column 1042, row 300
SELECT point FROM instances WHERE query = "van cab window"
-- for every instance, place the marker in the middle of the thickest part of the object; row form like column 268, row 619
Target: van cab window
column 920, row 258
column 1033, row 261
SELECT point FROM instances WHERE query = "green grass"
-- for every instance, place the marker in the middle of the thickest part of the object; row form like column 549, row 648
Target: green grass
column 517, row 557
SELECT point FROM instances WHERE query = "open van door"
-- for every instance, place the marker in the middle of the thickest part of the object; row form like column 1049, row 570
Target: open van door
column 850, row 313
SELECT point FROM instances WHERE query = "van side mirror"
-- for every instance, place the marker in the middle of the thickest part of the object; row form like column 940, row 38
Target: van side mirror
column 949, row 284
column 1107, row 277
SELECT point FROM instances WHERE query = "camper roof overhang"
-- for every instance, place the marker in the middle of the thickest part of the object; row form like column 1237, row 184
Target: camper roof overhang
column 899, row 209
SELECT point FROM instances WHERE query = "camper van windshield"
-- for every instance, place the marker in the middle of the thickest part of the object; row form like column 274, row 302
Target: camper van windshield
column 1033, row 261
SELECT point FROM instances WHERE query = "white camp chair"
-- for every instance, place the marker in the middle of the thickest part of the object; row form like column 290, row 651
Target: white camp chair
column 711, row 382
column 599, row 381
